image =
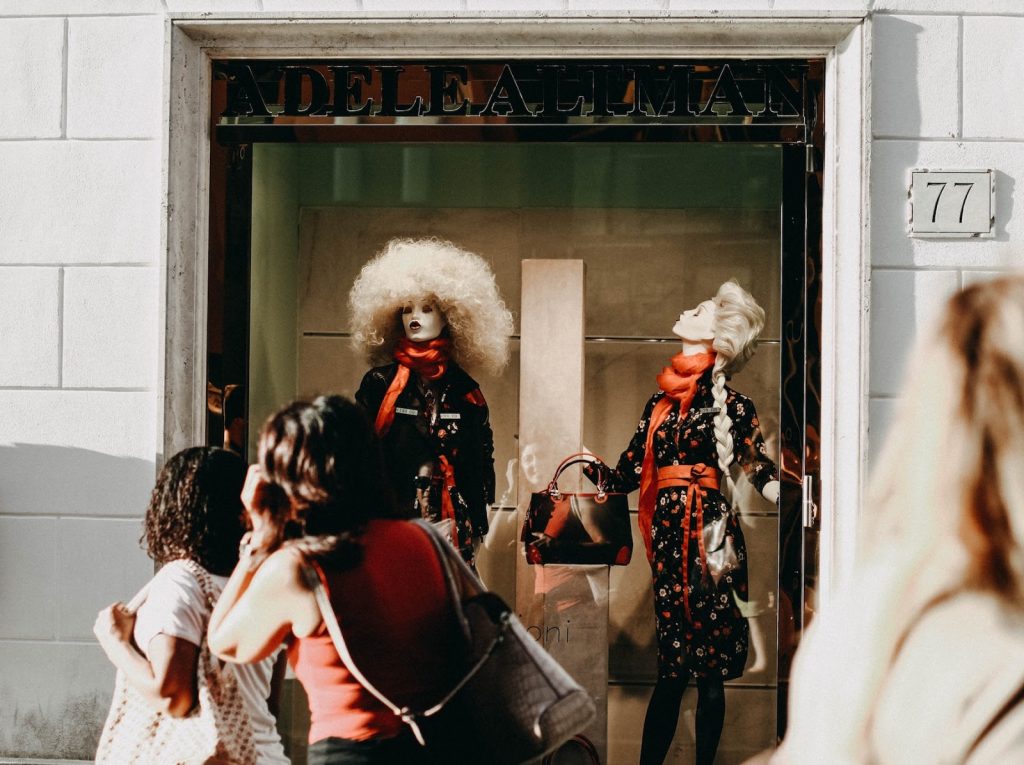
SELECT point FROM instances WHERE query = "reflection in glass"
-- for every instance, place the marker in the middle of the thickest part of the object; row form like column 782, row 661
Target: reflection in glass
column 659, row 227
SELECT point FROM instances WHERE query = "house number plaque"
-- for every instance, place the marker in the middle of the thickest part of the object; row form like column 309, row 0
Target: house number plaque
column 952, row 203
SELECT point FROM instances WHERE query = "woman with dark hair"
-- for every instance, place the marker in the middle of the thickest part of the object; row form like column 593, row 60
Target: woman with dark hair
column 320, row 477
column 192, row 528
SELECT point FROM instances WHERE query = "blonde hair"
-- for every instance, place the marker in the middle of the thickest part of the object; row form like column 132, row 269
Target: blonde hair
column 459, row 283
column 738, row 322
column 944, row 513
column 950, row 473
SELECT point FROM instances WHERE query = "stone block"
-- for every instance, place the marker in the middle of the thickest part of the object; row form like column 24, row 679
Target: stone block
column 30, row 326
column 115, row 77
column 952, row 7
column 418, row 8
column 108, row 549
column 31, row 54
column 829, row 7
column 28, row 577
column 516, row 8
column 110, row 327
column 203, row 6
column 311, row 6
column 698, row 7
column 76, row 452
column 903, row 305
column 80, row 8
column 914, row 70
column 891, row 162
column 616, row 6
column 993, row 58
column 80, row 202
column 56, row 697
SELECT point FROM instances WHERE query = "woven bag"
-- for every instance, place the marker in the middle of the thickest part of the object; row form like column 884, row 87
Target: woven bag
column 216, row 732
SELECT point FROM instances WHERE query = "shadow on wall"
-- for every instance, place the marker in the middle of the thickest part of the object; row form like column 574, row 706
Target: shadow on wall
column 56, row 694
column 58, row 480
column 73, row 736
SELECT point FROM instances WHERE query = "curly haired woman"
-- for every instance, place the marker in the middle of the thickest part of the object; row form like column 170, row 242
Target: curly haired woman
column 423, row 310
column 192, row 527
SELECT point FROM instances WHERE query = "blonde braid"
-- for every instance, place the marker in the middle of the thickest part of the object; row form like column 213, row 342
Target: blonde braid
column 723, row 428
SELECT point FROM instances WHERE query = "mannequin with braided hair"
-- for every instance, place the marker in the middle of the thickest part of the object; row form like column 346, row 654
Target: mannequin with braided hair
column 694, row 435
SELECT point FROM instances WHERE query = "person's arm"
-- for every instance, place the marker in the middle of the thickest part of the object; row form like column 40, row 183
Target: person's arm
column 261, row 604
column 167, row 680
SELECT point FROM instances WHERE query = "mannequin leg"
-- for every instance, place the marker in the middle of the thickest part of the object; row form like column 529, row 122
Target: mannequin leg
column 661, row 719
column 710, row 718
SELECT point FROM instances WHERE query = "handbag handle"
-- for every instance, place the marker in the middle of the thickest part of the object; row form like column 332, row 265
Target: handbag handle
column 577, row 459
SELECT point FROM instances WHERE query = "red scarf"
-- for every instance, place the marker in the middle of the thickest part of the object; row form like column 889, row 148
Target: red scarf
column 429, row 360
column 679, row 381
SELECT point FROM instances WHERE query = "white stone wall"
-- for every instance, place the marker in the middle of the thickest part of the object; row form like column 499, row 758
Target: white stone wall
column 80, row 220
column 80, row 279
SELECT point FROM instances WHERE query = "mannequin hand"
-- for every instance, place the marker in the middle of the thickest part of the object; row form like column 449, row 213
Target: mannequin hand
column 771, row 491
column 114, row 624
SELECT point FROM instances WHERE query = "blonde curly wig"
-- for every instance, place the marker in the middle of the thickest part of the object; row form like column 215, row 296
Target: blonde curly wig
column 458, row 282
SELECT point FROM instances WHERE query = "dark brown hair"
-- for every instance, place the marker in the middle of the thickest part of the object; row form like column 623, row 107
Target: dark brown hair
column 195, row 510
column 325, row 459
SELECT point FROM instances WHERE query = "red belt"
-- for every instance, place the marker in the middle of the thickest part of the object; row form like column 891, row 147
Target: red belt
column 696, row 478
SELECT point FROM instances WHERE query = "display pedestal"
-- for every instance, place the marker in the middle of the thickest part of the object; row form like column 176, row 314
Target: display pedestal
column 564, row 607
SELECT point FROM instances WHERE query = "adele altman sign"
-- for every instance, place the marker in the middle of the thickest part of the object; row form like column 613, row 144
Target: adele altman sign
column 688, row 90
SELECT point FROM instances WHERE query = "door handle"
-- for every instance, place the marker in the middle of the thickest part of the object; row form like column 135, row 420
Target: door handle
column 809, row 509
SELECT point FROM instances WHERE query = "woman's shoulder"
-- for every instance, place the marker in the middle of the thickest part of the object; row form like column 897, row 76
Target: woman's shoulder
column 981, row 640
column 181, row 576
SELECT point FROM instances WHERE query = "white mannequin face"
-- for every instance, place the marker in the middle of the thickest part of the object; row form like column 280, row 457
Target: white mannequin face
column 698, row 324
column 422, row 321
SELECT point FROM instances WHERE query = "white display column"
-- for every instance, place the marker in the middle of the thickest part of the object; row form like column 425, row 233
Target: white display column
column 564, row 607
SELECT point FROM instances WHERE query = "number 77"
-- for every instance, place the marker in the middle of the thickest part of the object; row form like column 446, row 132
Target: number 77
column 963, row 202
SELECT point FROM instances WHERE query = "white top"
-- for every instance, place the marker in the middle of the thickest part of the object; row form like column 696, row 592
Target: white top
column 960, row 665
column 175, row 607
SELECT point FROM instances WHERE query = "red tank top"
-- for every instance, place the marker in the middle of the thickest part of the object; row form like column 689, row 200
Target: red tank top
column 394, row 612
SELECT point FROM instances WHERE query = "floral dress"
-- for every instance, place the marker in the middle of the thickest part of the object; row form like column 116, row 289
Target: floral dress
column 713, row 641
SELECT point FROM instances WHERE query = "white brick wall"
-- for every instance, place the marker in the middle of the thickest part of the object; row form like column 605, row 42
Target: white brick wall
column 79, row 316
column 80, row 222
column 940, row 99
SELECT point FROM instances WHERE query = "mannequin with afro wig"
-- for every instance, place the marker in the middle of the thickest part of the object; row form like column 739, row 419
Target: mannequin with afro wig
column 423, row 311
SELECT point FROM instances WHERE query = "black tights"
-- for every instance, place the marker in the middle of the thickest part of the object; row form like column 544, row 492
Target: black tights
column 663, row 716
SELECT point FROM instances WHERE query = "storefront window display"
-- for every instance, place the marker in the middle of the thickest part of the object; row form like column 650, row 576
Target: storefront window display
column 659, row 226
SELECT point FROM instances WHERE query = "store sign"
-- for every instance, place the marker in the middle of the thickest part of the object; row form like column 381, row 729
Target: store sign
column 952, row 203
column 527, row 90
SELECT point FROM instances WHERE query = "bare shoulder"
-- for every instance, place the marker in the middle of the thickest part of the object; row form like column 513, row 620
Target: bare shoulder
column 282, row 572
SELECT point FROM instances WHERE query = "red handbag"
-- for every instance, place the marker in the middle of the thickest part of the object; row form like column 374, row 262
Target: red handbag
column 574, row 527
